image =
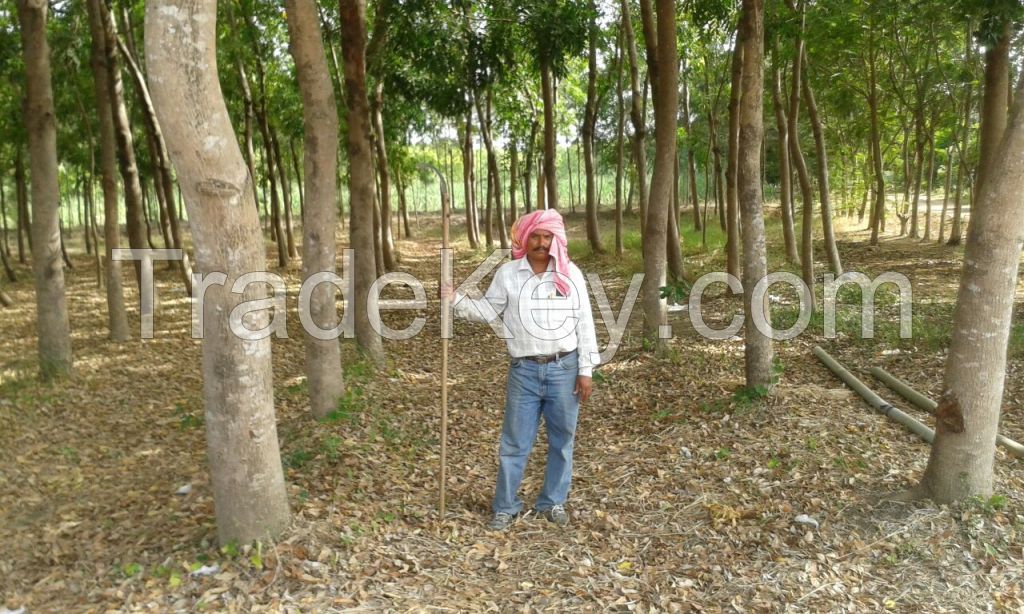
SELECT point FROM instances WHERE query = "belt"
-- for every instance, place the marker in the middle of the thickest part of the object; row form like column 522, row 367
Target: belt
column 543, row 360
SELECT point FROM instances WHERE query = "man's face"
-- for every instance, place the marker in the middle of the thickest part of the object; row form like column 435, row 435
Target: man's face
column 539, row 243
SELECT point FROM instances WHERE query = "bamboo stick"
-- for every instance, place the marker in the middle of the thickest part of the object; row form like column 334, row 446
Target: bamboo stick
column 904, row 390
column 872, row 399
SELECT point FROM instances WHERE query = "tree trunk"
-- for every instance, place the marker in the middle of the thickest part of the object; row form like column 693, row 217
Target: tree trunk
column 513, row 178
column 320, row 161
column 928, row 189
column 117, row 320
column 673, row 253
column 137, row 237
column 963, row 147
column 589, row 124
column 6, row 248
column 286, row 193
column 665, row 124
column 493, row 172
column 824, row 185
column 387, row 238
column 63, row 247
column 52, row 323
column 21, row 196
column 962, row 455
column 249, row 494
column 797, row 159
column 250, row 154
column 620, row 145
column 276, row 220
column 758, row 352
column 732, row 233
column 636, row 114
column 785, row 187
column 878, row 209
column 550, row 171
column 403, row 207
column 945, row 195
column 531, row 154
column 994, row 104
column 568, row 171
column 353, row 41
column 691, row 163
column 297, row 169
column 163, row 179
column 467, row 181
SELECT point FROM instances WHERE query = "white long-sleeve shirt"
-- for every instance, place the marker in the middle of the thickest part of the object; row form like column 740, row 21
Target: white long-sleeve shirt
column 523, row 309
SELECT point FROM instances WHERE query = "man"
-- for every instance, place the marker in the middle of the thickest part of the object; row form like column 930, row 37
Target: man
column 542, row 299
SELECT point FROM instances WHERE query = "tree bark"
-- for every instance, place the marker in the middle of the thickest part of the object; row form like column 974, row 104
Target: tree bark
column 493, row 172
column 962, row 455
column 691, row 163
column 824, row 185
column 286, row 193
column 320, row 216
column 52, row 323
column 785, row 187
column 620, row 145
column 250, row 499
column 758, row 353
column 550, row 171
column 875, row 136
column 589, row 125
column 636, row 114
column 117, row 320
column 21, row 196
column 732, row 233
column 387, row 238
column 361, row 199
column 994, row 105
column 513, row 175
column 797, row 160
column 134, row 215
column 665, row 125
column 928, row 188
column 163, row 179
column 945, row 195
column 468, row 188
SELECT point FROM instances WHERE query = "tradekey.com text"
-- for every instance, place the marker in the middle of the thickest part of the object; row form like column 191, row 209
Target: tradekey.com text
column 246, row 313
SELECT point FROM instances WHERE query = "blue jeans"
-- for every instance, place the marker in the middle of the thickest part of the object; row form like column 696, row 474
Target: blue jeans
column 536, row 390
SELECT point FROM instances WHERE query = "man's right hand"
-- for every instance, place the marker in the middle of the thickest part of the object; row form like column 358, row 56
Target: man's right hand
column 445, row 291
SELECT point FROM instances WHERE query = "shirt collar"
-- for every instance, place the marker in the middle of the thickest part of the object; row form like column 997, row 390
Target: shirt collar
column 524, row 266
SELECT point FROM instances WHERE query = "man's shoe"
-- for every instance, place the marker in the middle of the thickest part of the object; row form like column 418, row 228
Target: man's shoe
column 501, row 521
column 557, row 515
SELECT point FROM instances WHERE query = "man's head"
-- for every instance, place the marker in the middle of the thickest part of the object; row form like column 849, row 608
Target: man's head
column 538, row 245
column 540, row 235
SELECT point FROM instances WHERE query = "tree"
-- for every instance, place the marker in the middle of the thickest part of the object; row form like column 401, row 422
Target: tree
column 116, row 316
column 361, row 184
column 587, row 136
column 666, row 102
column 53, row 325
column 758, row 354
column 249, row 494
column 962, row 455
column 320, row 162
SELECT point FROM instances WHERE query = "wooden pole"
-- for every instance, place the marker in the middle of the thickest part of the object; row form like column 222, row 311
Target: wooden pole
column 446, row 324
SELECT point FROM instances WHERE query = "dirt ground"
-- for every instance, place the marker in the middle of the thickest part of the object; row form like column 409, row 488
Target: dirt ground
column 686, row 493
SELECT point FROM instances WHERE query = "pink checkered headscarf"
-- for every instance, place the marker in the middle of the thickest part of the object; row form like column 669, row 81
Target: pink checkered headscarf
column 551, row 221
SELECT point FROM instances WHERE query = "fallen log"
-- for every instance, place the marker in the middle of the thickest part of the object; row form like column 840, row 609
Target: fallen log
column 872, row 399
column 904, row 390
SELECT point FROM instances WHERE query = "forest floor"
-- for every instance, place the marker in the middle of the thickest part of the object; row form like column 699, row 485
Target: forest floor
column 686, row 489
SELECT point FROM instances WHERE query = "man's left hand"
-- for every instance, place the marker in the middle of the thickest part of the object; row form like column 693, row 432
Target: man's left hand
column 584, row 386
